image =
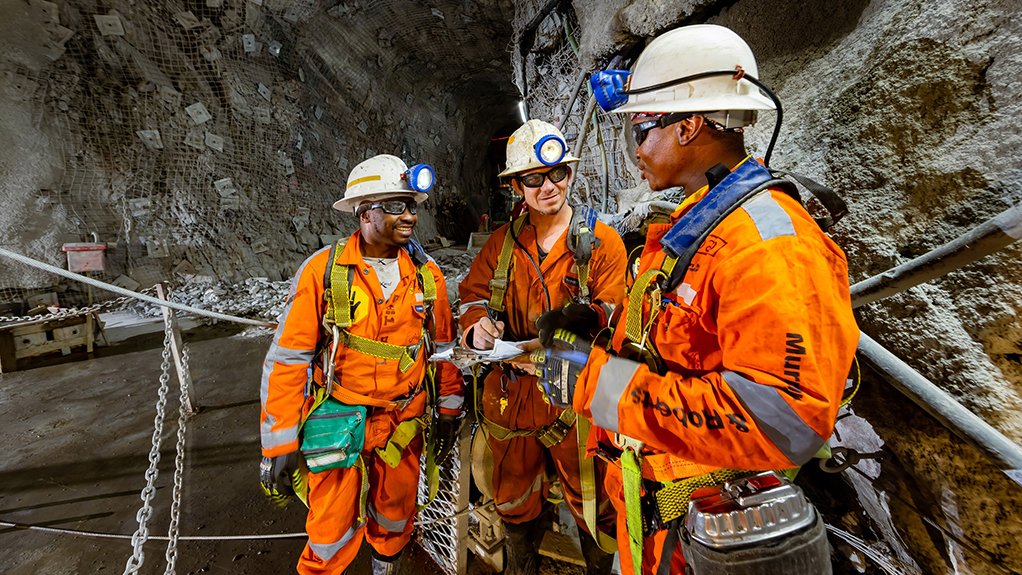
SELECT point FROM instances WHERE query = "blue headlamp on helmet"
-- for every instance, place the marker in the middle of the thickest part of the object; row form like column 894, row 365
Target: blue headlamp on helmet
column 420, row 177
column 550, row 149
column 610, row 87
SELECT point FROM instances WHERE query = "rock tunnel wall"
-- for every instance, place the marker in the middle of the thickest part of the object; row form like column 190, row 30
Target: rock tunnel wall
column 210, row 137
column 908, row 109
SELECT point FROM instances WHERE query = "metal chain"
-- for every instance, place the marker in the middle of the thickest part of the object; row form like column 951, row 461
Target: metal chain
column 73, row 311
column 179, row 462
column 146, row 511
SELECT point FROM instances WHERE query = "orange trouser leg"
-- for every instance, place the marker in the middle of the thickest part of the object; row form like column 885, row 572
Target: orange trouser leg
column 392, row 501
column 334, row 536
column 652, row 547
column 519, row 463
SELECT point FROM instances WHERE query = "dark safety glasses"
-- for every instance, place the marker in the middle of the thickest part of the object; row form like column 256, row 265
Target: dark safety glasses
column 394, row 207
column 641, row 130
column 535, row 179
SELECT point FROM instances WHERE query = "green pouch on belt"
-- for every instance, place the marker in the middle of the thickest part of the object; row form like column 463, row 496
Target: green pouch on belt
column 333, row 435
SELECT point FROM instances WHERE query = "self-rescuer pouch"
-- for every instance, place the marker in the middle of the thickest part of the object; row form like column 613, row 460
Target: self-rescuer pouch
column 333, row 435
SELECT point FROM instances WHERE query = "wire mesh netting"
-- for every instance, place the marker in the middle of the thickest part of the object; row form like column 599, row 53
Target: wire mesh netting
column 444, row 521
column 210, row 138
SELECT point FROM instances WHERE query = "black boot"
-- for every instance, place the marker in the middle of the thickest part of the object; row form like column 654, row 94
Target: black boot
column 598, row 561
column 383, row 565
column 521, row 548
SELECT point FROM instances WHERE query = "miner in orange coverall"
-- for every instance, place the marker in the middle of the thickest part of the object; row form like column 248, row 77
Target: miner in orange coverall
column 376, row 342
column 738, row 364
column 529, row 268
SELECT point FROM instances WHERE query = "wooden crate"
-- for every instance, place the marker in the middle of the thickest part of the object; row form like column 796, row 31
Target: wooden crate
column 22, row 341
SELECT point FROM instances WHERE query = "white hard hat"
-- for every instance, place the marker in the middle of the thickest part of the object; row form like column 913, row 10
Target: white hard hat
column 690, row 50
column 534, row 145
column 378, row 177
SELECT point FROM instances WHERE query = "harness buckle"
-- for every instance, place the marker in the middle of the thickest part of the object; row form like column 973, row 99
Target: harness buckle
column 652, row 520
column 554, row 433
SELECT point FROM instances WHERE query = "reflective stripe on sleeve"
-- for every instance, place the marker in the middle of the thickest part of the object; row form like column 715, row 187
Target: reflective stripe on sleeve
column 779, row 422
column 289, row 356
column 465, row 306
column 770, row 218
column 270, row 439
column 610, row 386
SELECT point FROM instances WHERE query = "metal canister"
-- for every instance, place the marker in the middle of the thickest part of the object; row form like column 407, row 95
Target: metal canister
column 759, row 525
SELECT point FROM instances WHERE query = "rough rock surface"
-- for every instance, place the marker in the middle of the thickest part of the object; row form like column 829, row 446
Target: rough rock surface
column 908, row 109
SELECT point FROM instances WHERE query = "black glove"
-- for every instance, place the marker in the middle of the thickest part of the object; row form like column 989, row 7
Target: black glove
column 446, row 435
column 276, row 475
column 559, row 366
column 579, row 318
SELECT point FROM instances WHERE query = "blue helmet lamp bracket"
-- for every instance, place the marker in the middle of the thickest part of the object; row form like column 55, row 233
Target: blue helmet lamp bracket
column 420, row 177
column 610, row 87
column 550, row 149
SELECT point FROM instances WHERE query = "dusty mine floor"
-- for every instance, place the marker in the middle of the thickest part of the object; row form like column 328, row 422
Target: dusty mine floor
column 76, row 438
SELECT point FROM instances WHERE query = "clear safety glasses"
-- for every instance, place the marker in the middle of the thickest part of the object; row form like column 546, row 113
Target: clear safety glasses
column 535, row 179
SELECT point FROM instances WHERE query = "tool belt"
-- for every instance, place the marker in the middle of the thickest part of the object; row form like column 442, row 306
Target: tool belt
column 549, row 435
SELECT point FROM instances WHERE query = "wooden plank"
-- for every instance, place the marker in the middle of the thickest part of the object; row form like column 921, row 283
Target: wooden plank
column 41, row 326
column 62, row 345
column 464, row 488
column 8, row 360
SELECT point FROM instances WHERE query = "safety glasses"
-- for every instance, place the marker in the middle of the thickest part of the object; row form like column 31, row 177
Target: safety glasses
column 641, row 130
column 394, row 207
column 535, row 179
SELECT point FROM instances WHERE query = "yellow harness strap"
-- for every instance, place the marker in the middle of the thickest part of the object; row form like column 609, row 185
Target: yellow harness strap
column 587, row 475
column 548, row 435
column 499, row 283
column 338, row 312
column 405, row 432
column 631, row 469
column 635, row 328
column 672, row 499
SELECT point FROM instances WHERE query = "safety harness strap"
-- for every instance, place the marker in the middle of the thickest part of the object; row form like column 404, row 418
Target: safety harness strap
column 338, row 312
column 634, row 326
column 499, row 283
column 632, row 475
column 670, row 502
column 403, row 434
column 587, row 476
column 581, row 241
column 432, row 476
column 548, row 435
column 404, row 354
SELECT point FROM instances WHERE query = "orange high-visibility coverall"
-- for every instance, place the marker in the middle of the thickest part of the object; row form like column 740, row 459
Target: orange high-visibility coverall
column 519, row 463
column 758, row 341
column 334, row 532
